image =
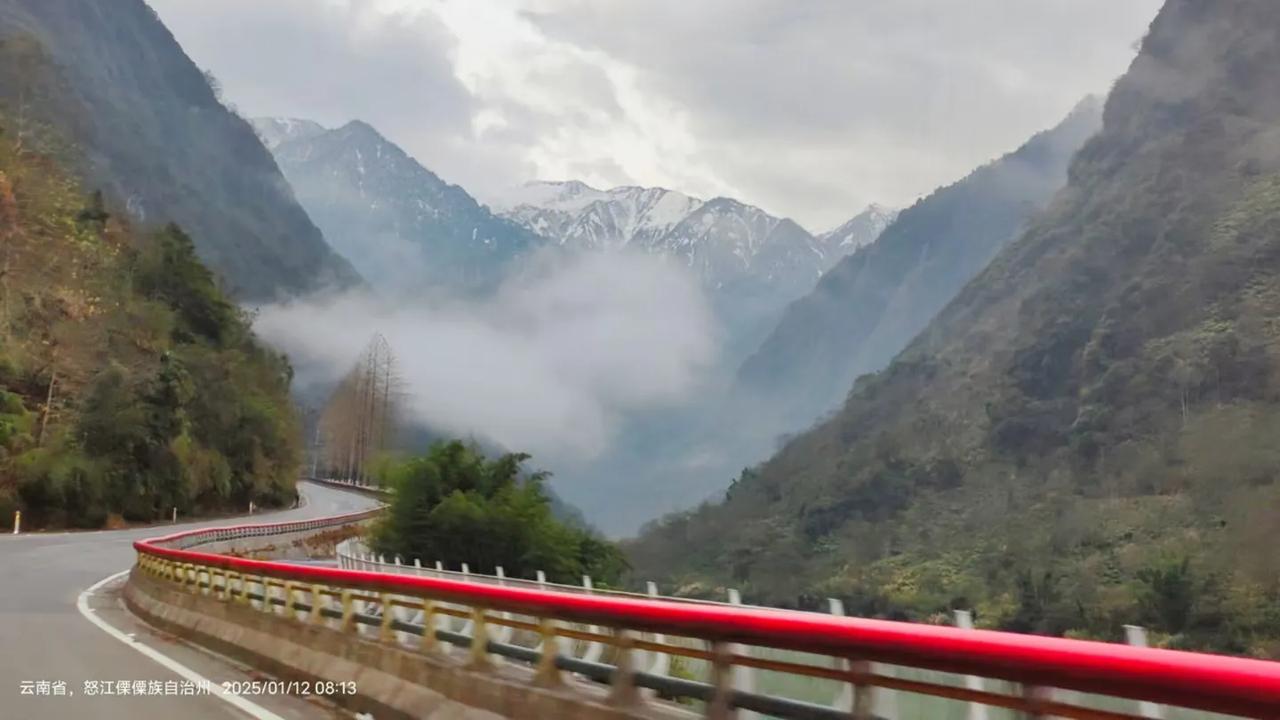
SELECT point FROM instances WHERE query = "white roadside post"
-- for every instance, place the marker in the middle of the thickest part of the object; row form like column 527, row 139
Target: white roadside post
column 1136, row 635
column 175, row 514
column 977, row 711
column 661, row 661
column 884, row 702
column 741, row 678
column 594, row 649
column 17, row 521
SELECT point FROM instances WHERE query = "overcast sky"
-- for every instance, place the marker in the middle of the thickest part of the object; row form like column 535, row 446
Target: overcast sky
column 808, row 108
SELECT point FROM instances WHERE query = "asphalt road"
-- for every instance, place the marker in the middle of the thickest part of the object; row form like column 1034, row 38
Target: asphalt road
column 44, row 637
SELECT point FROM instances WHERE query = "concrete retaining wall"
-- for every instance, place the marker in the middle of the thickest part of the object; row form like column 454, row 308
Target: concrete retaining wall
column 300, row 545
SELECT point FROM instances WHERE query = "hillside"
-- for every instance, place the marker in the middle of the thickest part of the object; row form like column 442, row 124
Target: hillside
column 129, row 384
column 158, row 141
column 865, row 309
column 405, row 229
column 1084, row 437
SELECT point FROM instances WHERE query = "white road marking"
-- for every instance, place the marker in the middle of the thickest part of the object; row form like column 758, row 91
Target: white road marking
column 82, row 604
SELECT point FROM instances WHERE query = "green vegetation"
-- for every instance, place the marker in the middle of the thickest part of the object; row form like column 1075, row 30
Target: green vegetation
column 1085, row 436
column 129, row 384
column 456, row 506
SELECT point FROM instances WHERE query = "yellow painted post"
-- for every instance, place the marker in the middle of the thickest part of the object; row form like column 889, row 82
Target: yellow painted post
column 315, row 616
column 288, row 600
column 548, row 675
column 428, row 643
column 624, row 678
column 385, row 632
column 479, row 640
column 17, row 521
column 388, row 614
column 348, row 611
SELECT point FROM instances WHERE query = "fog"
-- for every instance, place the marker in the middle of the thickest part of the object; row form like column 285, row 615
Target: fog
column 550, row 365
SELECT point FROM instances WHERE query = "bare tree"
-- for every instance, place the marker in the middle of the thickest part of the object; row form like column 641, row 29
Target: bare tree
column 360, row 419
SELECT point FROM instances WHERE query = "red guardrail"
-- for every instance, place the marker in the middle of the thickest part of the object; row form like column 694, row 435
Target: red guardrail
column 1216, row 683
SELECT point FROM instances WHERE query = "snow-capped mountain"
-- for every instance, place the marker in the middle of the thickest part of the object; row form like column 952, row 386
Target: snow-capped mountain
column 578, row 216
column 405, row 229
column 277, row 131
column 721, row 238
column 753, row 263
column 861, row 229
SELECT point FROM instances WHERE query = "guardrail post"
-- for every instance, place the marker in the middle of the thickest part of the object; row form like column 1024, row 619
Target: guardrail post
column 315, row 617
column 288, row 601
column 720, row 706
column 864, row 693
column 1136, row 635
column 976, row 711
column 844, row 700
column 661, row 661
column 504, row 631
column 428, row 643
column 623, row 680
column 548, row 675
column 348, row 612
column 388, row 615
column 594, row 649
column 479, row 640
column 882, row 703
column 1037, row 698
column 743, row 677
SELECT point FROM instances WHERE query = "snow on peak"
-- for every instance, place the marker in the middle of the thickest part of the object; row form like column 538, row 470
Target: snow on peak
column 861, row 229
column 277, row 130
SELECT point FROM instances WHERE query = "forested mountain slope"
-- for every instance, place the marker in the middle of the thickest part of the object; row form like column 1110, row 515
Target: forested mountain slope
column 1085, row 437
column 129, row 384
column 157, row 140
column 869, row 306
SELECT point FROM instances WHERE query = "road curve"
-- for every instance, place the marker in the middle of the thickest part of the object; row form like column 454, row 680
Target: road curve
column 44, row 637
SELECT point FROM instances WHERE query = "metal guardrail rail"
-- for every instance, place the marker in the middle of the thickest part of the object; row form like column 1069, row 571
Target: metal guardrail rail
column 535, row 626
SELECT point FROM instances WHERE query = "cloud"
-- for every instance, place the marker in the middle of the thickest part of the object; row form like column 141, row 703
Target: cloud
column 809, row 109
column 551, row 365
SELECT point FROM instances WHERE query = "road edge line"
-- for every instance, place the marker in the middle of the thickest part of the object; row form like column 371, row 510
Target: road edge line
column 82, row 604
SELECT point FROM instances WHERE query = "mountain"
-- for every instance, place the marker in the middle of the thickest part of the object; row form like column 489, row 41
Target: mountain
column 155, row 138
column 405, row 229
column 275, row 131
column 130, row 385
column 578, row 216
column 752, row 263
column 1084, row 436
column 866, row 308
column 859, row 230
